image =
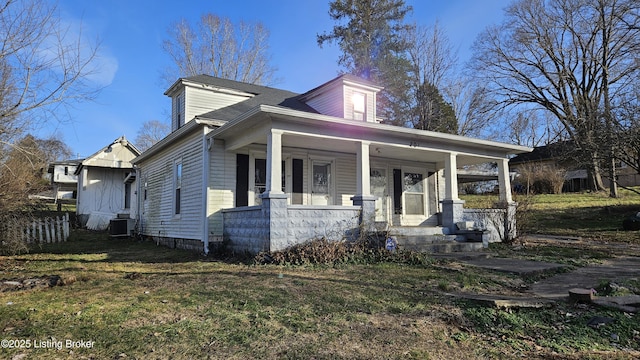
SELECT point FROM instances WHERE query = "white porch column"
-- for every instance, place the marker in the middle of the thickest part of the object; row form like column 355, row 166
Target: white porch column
column 452, row 206
column 504, row 181
column 451, row 176
column 274, row 162
column 363, row 185
column 363, row 197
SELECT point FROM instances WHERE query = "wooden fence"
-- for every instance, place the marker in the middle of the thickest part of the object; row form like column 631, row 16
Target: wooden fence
column 46, row 230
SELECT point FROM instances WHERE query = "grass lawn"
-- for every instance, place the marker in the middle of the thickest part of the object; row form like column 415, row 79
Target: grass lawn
column 586, row 215
column 133, row 300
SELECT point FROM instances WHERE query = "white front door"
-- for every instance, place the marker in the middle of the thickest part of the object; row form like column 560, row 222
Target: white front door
column 414, row 198
column 378, row 178
column 321, row 187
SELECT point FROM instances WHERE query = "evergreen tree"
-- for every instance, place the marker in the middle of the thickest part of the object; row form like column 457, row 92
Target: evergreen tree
column 371, row 36
column 432, row 112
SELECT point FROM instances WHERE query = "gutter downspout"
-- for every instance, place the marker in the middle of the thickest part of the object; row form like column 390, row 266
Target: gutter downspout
column 138, row 199
column 206, row 147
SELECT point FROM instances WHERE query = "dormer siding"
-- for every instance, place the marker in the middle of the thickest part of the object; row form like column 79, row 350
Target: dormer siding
column 192, row 99
column 330, row 103
column 336, row 98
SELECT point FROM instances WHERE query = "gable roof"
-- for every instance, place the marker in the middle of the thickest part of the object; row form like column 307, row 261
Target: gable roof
column 106, row 158
column 262, row 95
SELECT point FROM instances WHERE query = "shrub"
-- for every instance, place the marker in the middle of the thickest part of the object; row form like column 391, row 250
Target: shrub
column 368, row 249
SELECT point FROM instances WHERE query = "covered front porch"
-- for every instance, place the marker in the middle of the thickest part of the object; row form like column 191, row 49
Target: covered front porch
column 335, row 178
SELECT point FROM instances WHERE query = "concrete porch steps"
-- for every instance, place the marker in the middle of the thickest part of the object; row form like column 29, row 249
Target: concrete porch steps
column 431, row 240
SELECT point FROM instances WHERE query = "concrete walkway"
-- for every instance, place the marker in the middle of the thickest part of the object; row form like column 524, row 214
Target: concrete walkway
column 588, row 277
column 557, row 287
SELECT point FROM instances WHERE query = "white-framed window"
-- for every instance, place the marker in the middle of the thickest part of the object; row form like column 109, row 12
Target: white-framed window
column 258, row 167
column 359, row 101
column 178, row 111
column 177, row 180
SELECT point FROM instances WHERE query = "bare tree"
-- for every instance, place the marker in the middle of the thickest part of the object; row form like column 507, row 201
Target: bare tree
column 432, row 56
column 432, row 59
column 474, row 108
column 217, row 47
column 533, row 127
column 150, row 133
column 569, row 57
column 44, row 65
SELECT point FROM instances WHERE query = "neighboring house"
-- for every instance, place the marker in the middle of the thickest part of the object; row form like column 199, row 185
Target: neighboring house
column 64, row 181
column 562, row 155
column 263, row 168
column 106, row 185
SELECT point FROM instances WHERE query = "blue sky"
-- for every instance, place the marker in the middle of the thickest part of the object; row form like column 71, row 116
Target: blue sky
column 131, row 56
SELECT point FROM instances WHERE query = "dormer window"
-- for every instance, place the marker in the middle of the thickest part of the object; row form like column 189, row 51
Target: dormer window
column 178, row 117
column 359, row 106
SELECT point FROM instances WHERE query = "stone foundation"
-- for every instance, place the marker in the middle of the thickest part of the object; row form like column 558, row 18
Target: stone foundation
column 176, row 243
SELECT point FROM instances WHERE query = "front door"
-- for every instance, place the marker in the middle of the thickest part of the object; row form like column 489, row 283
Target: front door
column 321, row 188
column 414, row 202
column 378, row 179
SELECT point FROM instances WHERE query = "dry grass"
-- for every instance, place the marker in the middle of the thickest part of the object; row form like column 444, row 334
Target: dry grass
column 136, row 300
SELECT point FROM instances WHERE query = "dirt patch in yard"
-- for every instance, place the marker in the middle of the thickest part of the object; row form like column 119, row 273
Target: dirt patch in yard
column 42, row 282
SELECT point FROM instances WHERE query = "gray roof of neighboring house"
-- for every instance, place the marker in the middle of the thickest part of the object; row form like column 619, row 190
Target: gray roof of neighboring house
column 264, row 95
column 546, row 152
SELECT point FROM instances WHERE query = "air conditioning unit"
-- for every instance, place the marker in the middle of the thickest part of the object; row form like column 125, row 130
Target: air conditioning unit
column 121, row 227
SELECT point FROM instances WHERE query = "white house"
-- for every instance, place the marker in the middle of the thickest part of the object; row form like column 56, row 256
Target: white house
column 264, row 168
column 106, row 185
column 64, row 181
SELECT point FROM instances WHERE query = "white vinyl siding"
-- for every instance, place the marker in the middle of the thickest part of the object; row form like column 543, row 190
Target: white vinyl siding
column 158, row 215
column 222, row 185
column 202, row 101
column 330, row 103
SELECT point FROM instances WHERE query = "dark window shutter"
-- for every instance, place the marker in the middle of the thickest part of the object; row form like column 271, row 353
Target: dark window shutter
column 242, row 180
column 397, row 191
column 297, row 165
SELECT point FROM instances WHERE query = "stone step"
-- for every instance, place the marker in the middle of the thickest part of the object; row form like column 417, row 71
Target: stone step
column 416, row 230
column 443, row 247
column 423, row 239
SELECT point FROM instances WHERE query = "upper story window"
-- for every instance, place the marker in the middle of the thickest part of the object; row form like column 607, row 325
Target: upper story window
column 359, row 106
column 178, row 111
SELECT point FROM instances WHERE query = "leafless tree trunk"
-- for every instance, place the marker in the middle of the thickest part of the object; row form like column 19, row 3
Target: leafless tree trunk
column 219, row 48
column 568, row 57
